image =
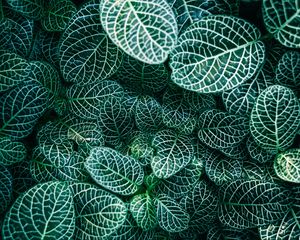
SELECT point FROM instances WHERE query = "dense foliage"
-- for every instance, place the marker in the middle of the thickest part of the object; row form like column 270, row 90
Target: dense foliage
column 149, row 119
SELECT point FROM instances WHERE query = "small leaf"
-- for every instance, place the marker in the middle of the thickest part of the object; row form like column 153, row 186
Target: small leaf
column 287, row 165
column 143, row 211
column 173, row 153
column 171, row 216
column 11, row 152
column 275, row 119
column 114, row 171
column 6, row 188
column 29, row 8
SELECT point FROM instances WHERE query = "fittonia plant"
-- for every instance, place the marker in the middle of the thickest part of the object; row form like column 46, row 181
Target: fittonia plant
column 149, row 119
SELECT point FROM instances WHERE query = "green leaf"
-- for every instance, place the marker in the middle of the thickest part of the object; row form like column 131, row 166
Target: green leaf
column 13, row 70
column 282, row 20
column 145, row 30
column 257, row 153
column 86, row 101
column 171, row 216
column 16, row 35
column 202, row 205
column 115, row 121
column 240, row 100
column 216, row 61
column 275, row 119
column 248, row 204
column 148, row 114
column 58, row 14
column 222, row 169
column 142, row 77
column 6, row 188
column 29, row 8
column 21, row 108
column 45, row 211
column 11, row 152
column 188, row 12
column 87, row 54
column 143, row 211
column 43, row 170
column 288, row 71
column 45, row 74
column 181, row 183
column 287, row 165
column 173, row 153
column 114, row 171
column 219, row 130
column 220, row 232
column 98, row 213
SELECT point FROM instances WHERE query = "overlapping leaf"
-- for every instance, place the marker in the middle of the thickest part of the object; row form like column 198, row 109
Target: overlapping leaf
column 98, row 213
column 208, row 61
column 143, row 211
column 58, row 14
column 246, row 204
column 85, row 102
column 11, row 152
column 282, row 19
column 6, row 188
column 20, row 109
column 114, row 171
column 275, row 119
column 220, row 130
column 87, row 54
column 173, row 153
column 145, row 30
column 171, row 216
column 13, row 70
column 33, row 216
column 287, row 165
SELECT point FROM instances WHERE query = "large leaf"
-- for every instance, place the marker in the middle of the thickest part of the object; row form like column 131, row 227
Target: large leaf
column 216, row 61
column 58, row 14
column 173, row 153
column 145, row 30
column 282, row 19
column 6, row 187
column 11, row 152
column 45, row 211
column 98, row 213
column 275, row 119
column 247, row 204
column 86, row 101
column 114, row 171
column 20, row 109
column 171, row 216
column 87, row 54
column 257, row 153
column 202, row 205
column 29, row 8
column 13, row 70
column 287, row 165
column 220, row 130
column 143, row 211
